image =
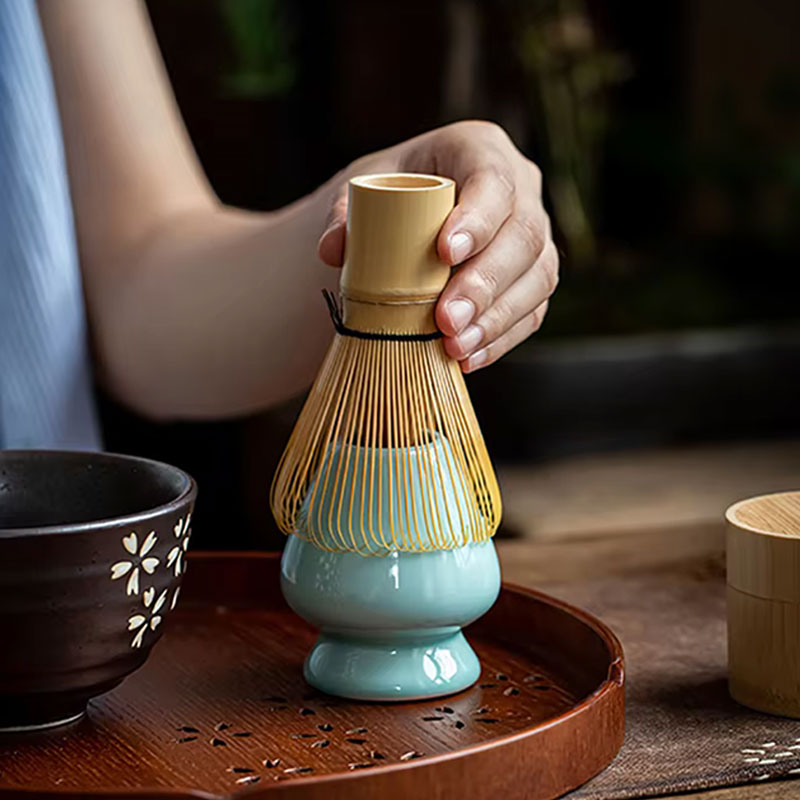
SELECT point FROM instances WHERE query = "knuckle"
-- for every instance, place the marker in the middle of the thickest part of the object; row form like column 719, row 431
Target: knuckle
column 548, row 227
column 481, row 285
column 537, row 176
column 456, row 127
column 488, row 279
column 493, row 353
column 496, row 176
column 497, row 318
column 530, row 230
column 338, row 210
column 490, row 354
column 502, row 175
column 488, row 283
column 487, row 127
column 463, row 131
column 537, row 318
column 549, row 266
column 447, row 142
column 480, row 226
column 498, row 133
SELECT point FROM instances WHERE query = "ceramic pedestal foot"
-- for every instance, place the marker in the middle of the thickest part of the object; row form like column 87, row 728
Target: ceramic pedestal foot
column 390, row 625
column 421, row 665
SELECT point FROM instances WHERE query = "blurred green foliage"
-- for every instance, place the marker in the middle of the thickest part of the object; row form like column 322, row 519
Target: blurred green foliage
column 569, row 75
column 669, row 215
column 260, row 41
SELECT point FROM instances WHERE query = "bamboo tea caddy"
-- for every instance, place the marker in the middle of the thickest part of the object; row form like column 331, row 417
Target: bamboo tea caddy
column 386, row 487
column 763, row 553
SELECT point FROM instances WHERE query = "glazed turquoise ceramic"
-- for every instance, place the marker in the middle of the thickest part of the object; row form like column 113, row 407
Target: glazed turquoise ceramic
column 390, row 622
column 366, row 504
column 390, row 625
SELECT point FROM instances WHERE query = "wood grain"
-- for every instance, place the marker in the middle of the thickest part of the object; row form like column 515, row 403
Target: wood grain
column 763, row 555
column 595, row 556
column 613, row 494
column 221, row 707
column 646, row 513
column 392, row 225
column 771, row 513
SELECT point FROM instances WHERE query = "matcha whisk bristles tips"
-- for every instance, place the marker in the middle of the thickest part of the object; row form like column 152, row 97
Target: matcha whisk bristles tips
column 387, row 454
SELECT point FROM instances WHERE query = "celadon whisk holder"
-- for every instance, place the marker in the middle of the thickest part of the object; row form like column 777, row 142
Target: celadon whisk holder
column 390, row 627
column 385, row 488
column 390, row 624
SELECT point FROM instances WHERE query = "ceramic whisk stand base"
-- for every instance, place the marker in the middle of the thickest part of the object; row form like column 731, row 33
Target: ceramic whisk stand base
column 411, row 665
column 390, row 625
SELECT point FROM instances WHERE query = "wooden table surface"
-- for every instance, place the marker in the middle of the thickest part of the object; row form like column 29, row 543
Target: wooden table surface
column 634, row 513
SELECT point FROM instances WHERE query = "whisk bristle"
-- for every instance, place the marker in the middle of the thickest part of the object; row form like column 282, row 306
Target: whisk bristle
column 387, row 454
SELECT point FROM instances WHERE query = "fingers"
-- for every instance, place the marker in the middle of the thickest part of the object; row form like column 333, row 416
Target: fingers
column 509, row 340
column 498, row 234
column 529, row 292
column 331, row 244
column 485, row 202
column 476, row 286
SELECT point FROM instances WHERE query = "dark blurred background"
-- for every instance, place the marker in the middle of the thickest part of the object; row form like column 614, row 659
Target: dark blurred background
column 669, row 136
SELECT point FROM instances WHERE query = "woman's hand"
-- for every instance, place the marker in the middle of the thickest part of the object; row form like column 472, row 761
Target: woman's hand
column 498, row 235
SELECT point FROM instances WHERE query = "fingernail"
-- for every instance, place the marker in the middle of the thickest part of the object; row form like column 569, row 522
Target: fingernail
column 470, row 339
column 477, row 360
column 460, row 247
column 461, row 313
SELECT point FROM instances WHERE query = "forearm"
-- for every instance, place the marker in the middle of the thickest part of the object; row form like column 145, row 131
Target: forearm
column 195, row 309
column 219, row 312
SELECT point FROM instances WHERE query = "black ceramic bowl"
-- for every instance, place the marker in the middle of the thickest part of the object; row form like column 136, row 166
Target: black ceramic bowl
column 92, row 552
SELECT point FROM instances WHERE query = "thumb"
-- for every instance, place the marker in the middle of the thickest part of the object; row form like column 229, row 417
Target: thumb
column 331, row 244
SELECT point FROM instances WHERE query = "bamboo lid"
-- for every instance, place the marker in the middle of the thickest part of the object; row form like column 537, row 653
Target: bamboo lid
column 763, row 546
column 392, row 273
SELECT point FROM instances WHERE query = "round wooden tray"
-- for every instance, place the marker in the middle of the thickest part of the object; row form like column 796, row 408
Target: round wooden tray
column 221, row 709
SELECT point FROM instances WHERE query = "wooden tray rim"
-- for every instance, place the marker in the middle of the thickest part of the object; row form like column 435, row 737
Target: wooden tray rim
column 614, row 681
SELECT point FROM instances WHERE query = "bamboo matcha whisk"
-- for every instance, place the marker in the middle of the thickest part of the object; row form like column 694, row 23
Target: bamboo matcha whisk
column 387, row 454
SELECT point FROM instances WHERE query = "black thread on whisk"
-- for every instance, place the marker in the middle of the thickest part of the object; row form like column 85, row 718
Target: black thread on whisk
column 343, row 330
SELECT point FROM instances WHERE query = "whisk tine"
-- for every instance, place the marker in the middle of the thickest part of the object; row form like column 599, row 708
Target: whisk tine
column 387, row 455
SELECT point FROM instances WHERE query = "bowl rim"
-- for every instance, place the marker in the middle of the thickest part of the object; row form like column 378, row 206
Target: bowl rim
column 187, row 494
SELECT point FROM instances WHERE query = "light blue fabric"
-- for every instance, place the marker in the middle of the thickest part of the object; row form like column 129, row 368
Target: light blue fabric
column 46, row 397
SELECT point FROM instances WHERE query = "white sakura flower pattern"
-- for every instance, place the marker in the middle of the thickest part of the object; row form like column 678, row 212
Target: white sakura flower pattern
column 182, row 533
column 150, row 619
column 139, row 559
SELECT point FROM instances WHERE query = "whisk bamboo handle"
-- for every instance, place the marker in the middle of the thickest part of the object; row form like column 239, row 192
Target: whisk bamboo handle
column 392, row 274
